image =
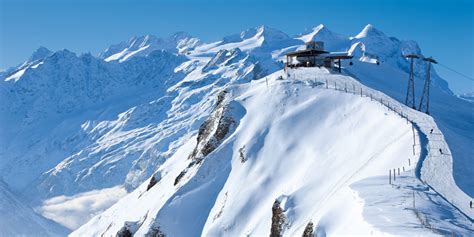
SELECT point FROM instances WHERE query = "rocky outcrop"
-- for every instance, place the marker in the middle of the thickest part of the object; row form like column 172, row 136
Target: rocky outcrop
column 211, row 133
column 278, row 220
column 309, row 230
column 155, row 232
column 124, row 232
column 152, row 183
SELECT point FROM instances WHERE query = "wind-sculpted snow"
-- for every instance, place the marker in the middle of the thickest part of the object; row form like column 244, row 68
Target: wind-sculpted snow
column 75, row 125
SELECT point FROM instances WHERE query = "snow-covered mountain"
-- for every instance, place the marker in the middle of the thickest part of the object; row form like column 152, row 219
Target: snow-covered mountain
column 218, row 135
column 332, row 41
column 180, row 42
column 17, row 219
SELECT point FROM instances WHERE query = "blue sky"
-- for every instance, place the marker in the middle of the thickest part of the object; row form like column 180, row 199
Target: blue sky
column 443, row 28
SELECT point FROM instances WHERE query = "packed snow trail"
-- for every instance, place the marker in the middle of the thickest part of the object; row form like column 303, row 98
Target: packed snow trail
column 296, row 142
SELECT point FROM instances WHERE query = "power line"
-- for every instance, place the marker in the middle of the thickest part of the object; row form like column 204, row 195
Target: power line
column 459, row 73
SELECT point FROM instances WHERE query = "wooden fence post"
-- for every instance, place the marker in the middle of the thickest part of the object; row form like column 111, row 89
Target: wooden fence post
column 414, row 141
column 389, row 176
column 414, row 207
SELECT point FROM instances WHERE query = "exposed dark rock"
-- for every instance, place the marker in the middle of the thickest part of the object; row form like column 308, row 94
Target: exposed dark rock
column 152, row 183
column 309, row 230
column 213, row 131
column 155, row 232
column 179, row 177
column 124, row 232
column 242, row 155
column 278, row 220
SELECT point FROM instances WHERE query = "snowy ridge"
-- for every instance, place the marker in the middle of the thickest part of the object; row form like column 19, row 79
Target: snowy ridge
column 249, row 164
column 438, row 159
column 95, row 129
column 332, row 41
column 141, row 46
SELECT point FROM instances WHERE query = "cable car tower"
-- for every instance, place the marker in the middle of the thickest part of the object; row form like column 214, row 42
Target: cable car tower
column 410, row 98
column 425, row 98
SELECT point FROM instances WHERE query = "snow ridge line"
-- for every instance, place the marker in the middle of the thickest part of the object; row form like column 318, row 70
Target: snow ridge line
column 437, row 167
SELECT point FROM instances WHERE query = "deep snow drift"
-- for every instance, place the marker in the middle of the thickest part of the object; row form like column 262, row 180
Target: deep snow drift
column 85, row 129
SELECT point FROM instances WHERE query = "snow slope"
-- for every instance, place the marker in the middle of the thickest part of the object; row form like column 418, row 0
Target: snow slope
column 82, row 129
column 298, row 143
column 17, row 219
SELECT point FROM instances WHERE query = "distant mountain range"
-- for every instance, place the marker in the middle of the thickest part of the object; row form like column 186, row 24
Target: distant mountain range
column 94, row 128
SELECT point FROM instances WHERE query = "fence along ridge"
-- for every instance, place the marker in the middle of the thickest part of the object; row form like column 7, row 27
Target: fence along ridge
column 378, row 96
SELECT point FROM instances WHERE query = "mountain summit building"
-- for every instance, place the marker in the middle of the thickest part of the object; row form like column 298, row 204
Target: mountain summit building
column 315, row 56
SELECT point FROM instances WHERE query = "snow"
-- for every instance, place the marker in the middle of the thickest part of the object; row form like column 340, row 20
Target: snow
column 16, row 76
column 79, row 132
column 369, row 31
column 286, row 162
column 332, row 41
column 179, row 42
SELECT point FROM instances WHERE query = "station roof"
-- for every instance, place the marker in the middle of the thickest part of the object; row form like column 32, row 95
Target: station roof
column 306, row 52
column 338, row 55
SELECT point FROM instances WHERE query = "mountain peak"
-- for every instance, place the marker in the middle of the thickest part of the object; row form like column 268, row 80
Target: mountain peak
column 40, row 53
column 369, row 31
column 270, row 33
column 332, row 41
column 180, row 35
column 320, row 27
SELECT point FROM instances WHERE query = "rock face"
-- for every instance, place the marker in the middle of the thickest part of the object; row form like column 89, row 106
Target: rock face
column 278, row 220
column 309, row 230
column 124, row 232
column 211, row 133
column 213, row 130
